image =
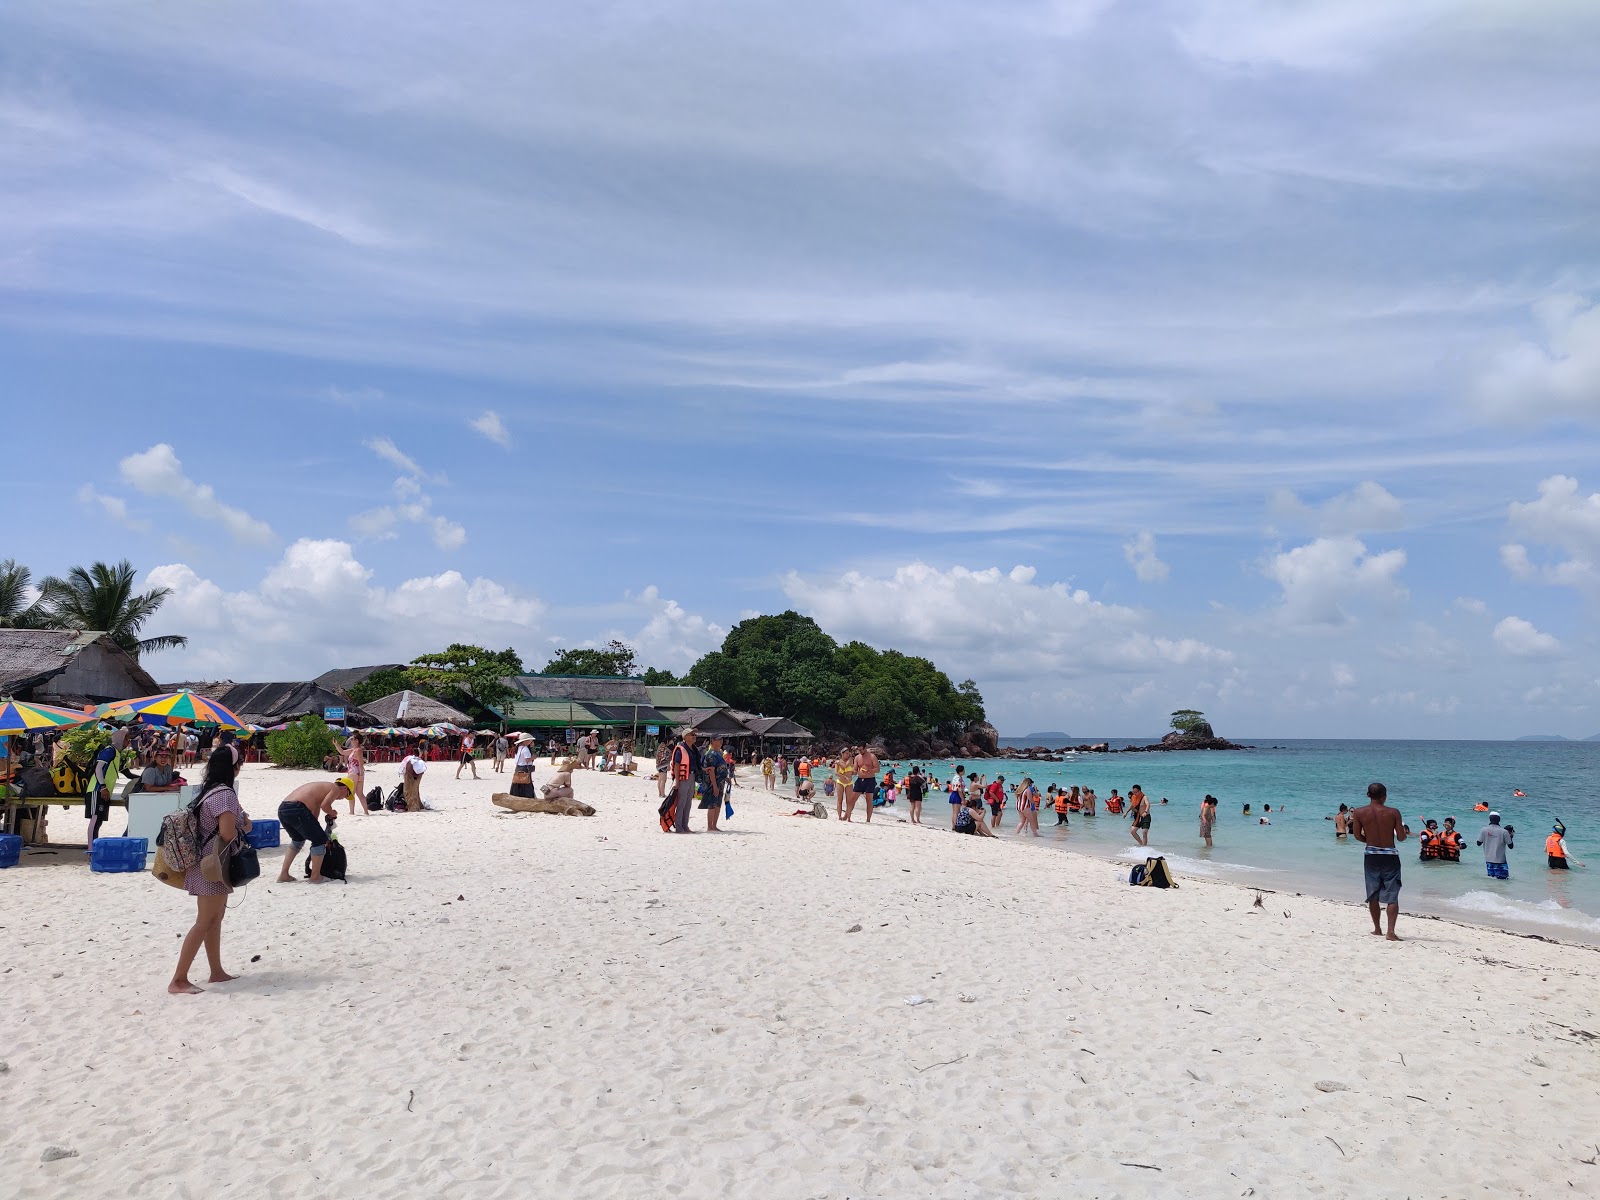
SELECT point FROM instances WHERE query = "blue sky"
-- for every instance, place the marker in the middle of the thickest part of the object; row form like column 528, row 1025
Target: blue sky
column 1122, row 356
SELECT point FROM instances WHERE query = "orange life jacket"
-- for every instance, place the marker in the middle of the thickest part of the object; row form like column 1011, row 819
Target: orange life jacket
column 680, row 763
column 1450, row 843
column 1480, row 808
column 1552, row 846
column 1430, row 843
column 1061, row 802
column 1114, row 805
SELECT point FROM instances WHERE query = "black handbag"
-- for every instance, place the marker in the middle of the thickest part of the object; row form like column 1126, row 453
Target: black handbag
column 244, row 864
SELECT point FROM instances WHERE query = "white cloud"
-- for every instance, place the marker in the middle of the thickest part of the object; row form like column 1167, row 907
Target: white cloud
column 319, row 607
column 1471, row 604
column 1368, row 507
column 158, row 472
column 275, row 200
column 1343, row 677
column 414, row 505
column 1520, row 639
column 1141, row 556
column 385, row 449
column 492, row 427
column 992, row 624
column 1558, row 376
column 1320, row 578
column 114, row 507
column 669, row 637
column 1560, row 517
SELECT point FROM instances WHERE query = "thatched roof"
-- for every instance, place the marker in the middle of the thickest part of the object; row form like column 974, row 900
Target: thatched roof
column 414, row 710
column 30, row 658
column 342, row 679
column 776, row 727
column 711, row 722
column 270, row 703
column 605, row 689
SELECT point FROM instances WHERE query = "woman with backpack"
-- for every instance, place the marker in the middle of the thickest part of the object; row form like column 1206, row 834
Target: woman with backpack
column 219, row 821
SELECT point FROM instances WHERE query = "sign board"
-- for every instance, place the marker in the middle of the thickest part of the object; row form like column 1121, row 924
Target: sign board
column 333, row 714
column 652, row 730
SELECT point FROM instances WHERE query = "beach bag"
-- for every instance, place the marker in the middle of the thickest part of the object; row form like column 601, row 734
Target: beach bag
column 334, row 861
column 397, row 799
column 1153, row 873
column 178, row 839
column 243, row 864
column 375, row 800
column 165, row 871
column 668, row 812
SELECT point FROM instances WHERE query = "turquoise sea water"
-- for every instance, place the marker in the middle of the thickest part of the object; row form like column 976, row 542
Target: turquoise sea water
column 1306, row 781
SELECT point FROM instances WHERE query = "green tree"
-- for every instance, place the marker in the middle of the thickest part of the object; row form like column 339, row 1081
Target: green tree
column 465, row 676
column 1190, row 720
column 614, row 659
column 787, row 665
column 380, row 684
column 18, row 608
column 655, row 677
column 304, row 745
column 102, row 598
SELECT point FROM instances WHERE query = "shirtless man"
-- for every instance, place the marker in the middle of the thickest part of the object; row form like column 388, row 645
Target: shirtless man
column 299, row 813
column 1139, row 814
column 1380, row 826
column 866, row 783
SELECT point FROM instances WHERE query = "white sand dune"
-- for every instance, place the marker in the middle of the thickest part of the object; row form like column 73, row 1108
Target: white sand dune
column 520, row 1006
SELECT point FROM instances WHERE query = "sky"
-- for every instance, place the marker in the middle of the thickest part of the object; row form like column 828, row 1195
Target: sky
column 1123, row 357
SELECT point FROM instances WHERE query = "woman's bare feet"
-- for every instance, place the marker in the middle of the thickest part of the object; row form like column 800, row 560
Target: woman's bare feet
column 287, row 879
column 220, row 977
column 182, row 987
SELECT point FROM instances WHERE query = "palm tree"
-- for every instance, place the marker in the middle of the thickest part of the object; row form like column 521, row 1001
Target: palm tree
column 103, row 598
column 16, row 610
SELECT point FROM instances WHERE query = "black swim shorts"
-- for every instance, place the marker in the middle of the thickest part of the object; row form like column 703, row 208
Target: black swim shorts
column 300, row 825
column 863, row 787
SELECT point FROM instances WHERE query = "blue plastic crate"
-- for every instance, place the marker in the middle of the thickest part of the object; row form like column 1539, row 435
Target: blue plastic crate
column 10, row 849
column 119, row 854
column 265, row 835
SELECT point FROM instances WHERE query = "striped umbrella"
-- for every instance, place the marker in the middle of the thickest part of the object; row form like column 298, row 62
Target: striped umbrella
column 17, row 716
column 175, row 708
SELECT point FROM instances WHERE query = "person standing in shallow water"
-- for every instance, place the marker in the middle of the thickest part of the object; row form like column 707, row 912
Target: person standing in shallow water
column 1380, row 827
column 1208, row 818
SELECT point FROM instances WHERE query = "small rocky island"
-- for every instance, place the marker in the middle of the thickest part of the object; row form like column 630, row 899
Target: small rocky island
column 1190, row 731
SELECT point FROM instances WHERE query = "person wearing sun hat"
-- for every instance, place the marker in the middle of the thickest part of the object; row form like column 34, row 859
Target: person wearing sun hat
column 522, row 768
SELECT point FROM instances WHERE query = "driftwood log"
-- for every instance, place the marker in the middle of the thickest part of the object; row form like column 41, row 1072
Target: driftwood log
column 564, row 807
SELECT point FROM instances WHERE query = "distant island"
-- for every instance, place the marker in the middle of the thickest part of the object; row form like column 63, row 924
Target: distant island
column 1053, row 736
column 1545, row 737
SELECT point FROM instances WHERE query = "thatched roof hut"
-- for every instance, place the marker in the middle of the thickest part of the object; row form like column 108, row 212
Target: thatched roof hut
column 69, row 667
column 413, row 710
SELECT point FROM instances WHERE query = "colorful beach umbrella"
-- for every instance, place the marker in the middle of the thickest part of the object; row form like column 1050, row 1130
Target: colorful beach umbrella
column 18, row 716
column 175, row 708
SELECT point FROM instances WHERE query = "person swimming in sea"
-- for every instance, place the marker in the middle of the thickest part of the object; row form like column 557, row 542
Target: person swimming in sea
column 1341, row 822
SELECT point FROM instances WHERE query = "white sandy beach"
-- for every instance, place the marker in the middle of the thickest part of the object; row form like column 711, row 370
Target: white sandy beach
column 518, row 1006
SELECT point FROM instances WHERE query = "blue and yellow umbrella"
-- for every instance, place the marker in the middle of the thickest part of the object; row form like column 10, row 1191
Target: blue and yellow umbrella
column 18, row 716
column 174, row 708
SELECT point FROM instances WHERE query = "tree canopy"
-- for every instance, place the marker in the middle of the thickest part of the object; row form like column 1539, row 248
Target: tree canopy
column 465, row 676
column 380, row 684
column 612, row 659
column 1190, row 720
column 100, row 597
column 786, row 665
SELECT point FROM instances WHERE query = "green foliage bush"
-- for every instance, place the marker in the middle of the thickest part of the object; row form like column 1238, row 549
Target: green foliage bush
column 84, row 742
column 303, row 745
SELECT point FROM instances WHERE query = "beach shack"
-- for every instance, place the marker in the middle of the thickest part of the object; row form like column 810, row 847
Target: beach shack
column 69, row 668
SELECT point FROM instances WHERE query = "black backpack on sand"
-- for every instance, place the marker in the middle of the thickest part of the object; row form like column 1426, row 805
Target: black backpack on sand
column 333, row 862
column 397, row 799
column 375, row 800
